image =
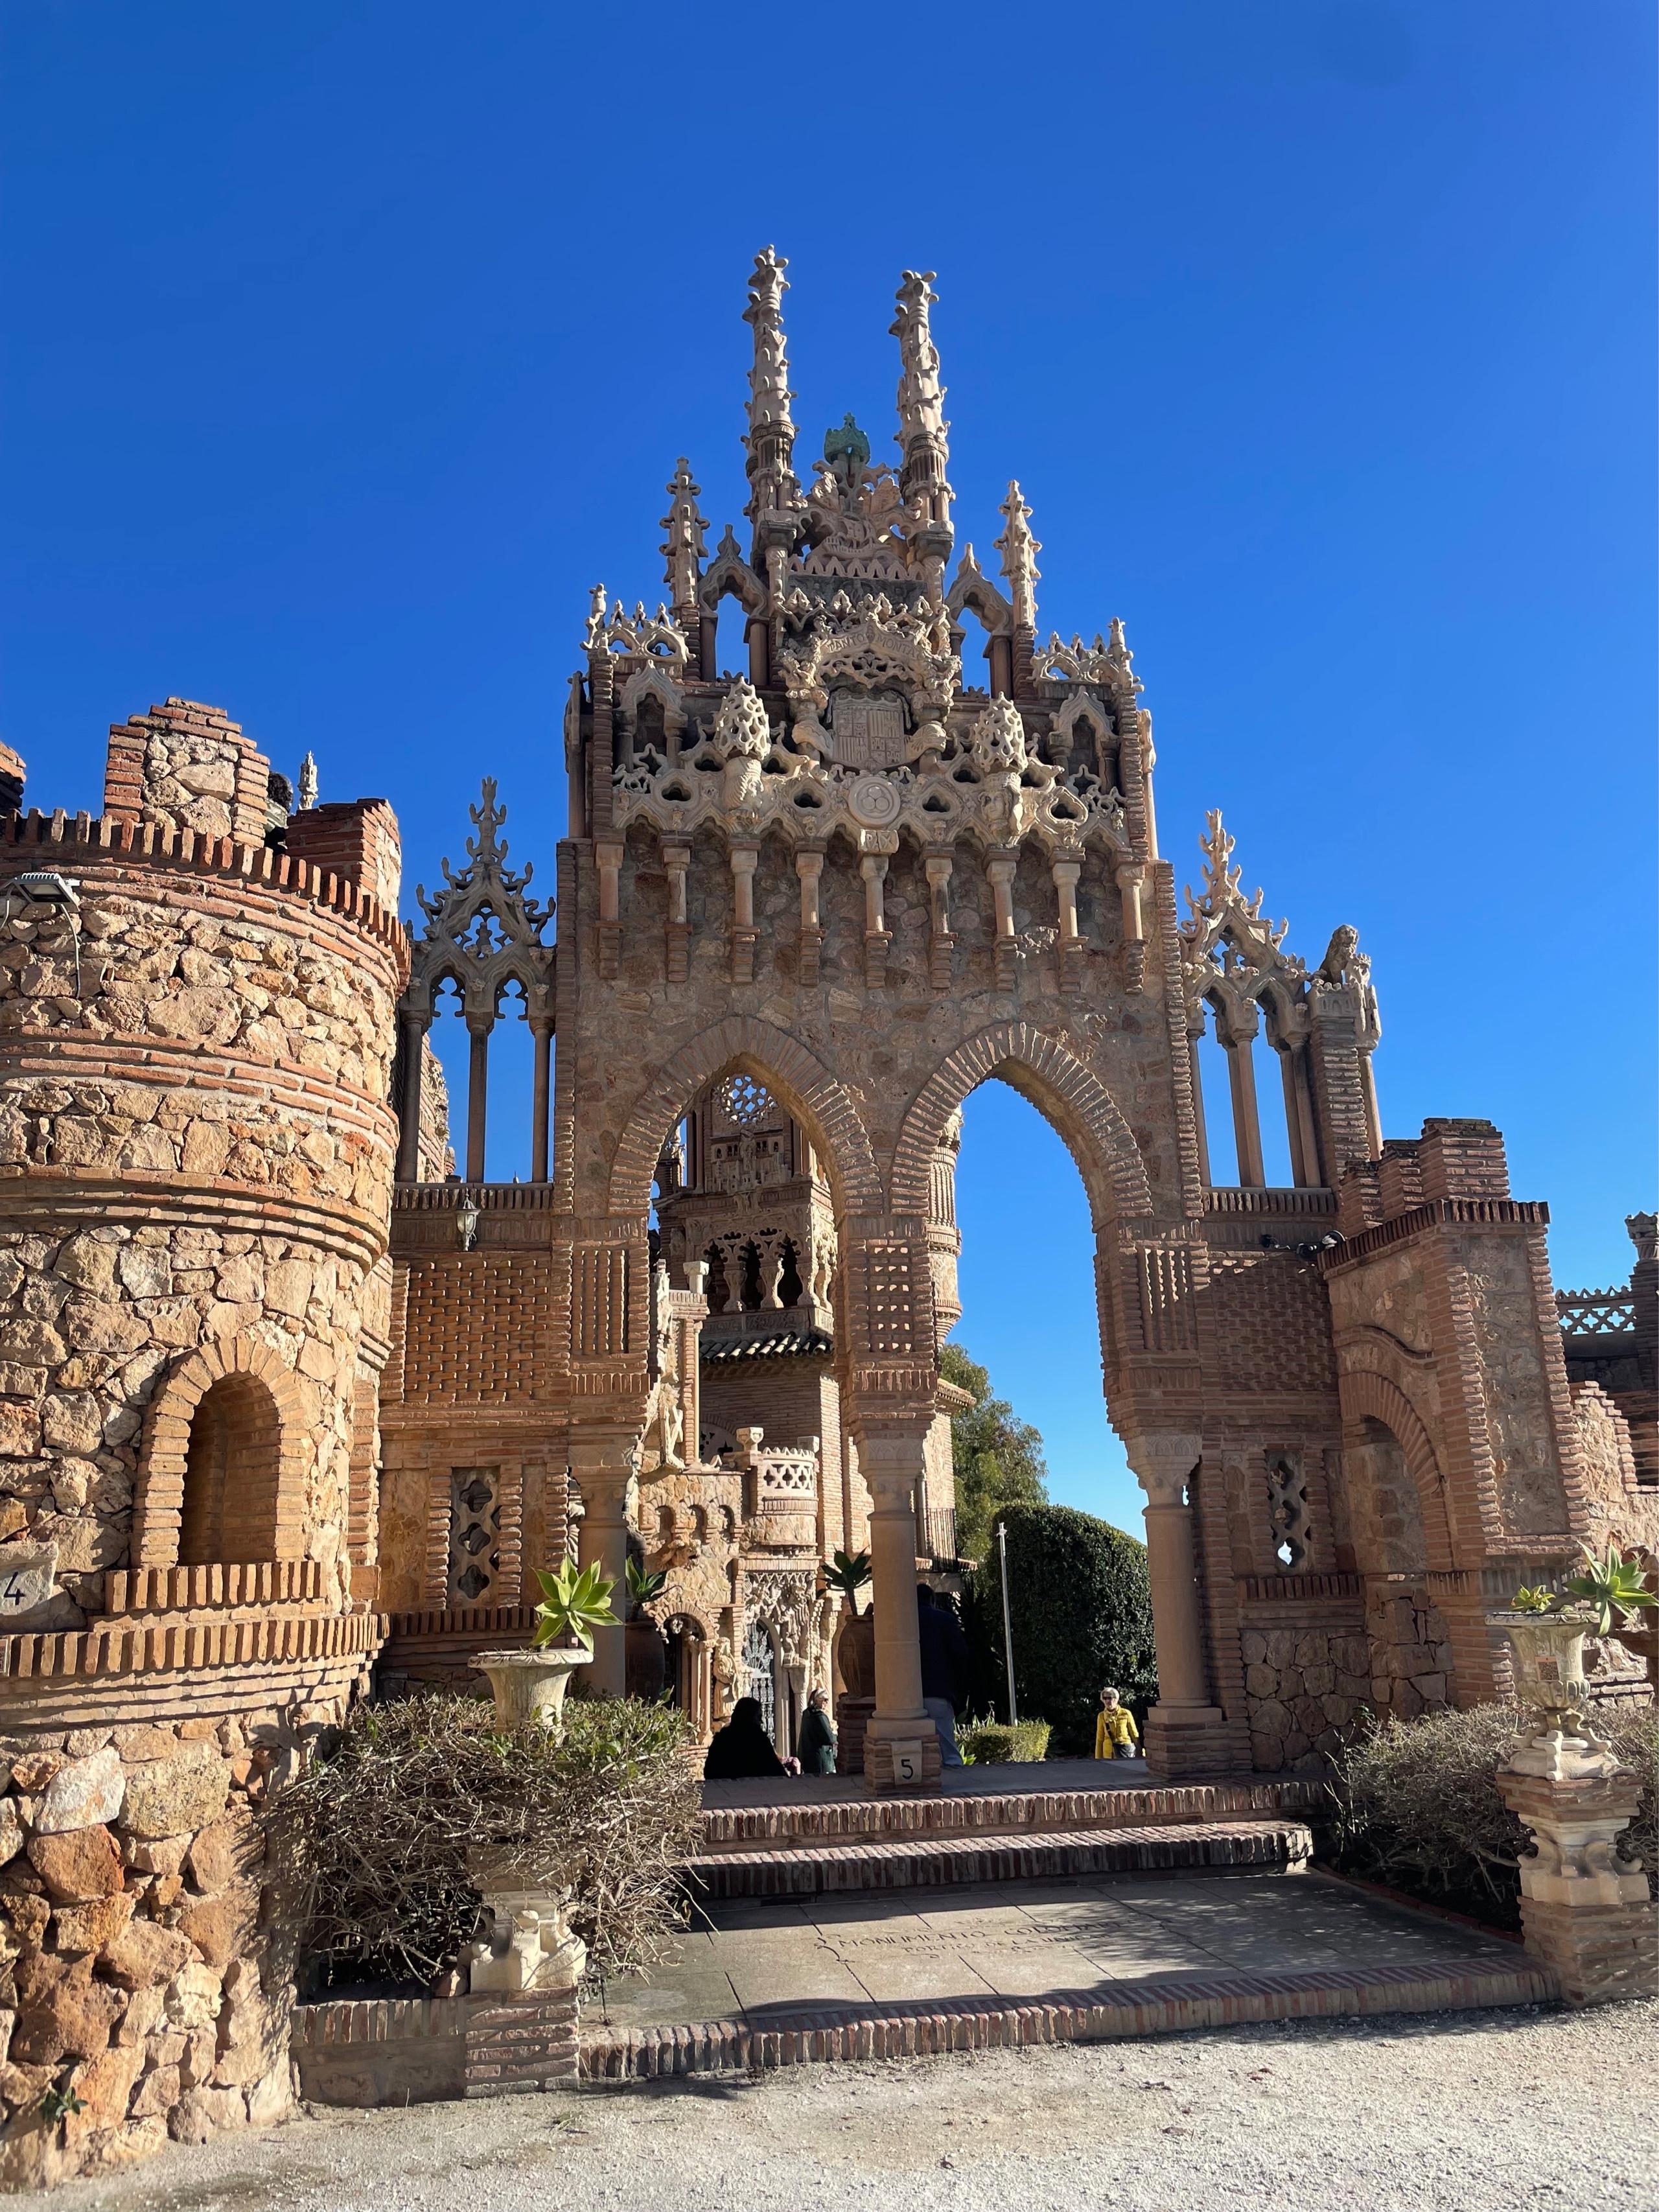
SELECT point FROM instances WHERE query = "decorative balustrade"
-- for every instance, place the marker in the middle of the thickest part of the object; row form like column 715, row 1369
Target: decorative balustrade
column 1596, row 1312
column 1225, row 1198
column 781, row 1490
column 479, row 1197
column 449, row 1217
column 1307, row 1588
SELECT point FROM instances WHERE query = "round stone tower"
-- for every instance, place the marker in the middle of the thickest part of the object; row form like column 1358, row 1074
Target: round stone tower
column 196, row 1149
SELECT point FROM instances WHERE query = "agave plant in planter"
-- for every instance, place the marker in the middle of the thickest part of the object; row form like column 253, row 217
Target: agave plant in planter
column 856, row 1647
column 1622, row 1588
column 530, row 1685
column 1547, row 1630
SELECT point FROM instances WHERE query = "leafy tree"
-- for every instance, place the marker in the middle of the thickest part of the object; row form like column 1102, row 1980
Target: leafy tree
column 1082, row 1614
column 998, row 1457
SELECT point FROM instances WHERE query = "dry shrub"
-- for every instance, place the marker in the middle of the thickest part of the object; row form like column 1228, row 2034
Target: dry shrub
column 1416, row 1803
column 378, row 1841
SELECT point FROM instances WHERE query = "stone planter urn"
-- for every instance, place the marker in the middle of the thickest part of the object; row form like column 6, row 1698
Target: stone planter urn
column 1549, row 1652
column 855, row 1653
column 530, row 1685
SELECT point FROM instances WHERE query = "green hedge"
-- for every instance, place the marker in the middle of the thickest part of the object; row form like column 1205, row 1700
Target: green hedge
column 1082, row 1617
column 992, row 1743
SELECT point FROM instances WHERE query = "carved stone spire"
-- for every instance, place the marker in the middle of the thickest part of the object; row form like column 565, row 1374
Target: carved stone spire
column 922, row 426
column 684, row 548
column 1019, row 550
column 771, row 435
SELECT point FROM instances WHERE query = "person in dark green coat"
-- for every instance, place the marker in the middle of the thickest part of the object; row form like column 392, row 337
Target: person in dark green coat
column 816, row 1742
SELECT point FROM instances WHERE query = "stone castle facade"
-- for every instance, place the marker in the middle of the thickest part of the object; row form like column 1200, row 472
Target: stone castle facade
column 283, row 1399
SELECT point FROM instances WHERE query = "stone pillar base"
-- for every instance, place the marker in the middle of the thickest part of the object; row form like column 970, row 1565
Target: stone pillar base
column 1599, row 1954
column 1585, row 1911
column 853, row 1716
column 516, row 2043
column 901, row 1762
column 1185, row 1742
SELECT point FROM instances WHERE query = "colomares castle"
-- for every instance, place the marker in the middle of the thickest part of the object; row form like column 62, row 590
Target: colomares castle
column 294, row 1400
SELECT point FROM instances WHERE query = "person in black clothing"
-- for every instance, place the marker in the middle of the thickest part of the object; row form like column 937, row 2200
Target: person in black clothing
column 816, row 1740
column 742, row 1749
column 945, row 1664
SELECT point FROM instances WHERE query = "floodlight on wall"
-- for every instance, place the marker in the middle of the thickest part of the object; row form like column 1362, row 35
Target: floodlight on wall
column 48, row 892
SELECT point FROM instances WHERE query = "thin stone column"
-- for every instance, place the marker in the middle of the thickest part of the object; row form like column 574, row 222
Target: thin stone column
column 478, row 1027
column 1247, row 1120
column 1185, row 1732
column 542, row 1030
column 409, row 1131
column 600, row 1465
column 900, row 1749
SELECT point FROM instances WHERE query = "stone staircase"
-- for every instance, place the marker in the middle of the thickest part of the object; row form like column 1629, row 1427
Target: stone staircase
column 803, row 1850
column 838, row 1927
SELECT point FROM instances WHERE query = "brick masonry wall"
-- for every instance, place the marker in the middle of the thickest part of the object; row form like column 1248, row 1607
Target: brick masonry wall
column 357, row 839
column 189, row 767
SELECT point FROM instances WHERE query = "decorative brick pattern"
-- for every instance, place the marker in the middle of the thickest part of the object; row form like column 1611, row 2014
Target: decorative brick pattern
column 808, row 1871
column 519, row 2043
column 476, row 1330
column 818, row 2035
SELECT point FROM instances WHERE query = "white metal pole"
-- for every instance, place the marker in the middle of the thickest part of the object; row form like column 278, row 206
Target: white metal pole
column 1007, row 1620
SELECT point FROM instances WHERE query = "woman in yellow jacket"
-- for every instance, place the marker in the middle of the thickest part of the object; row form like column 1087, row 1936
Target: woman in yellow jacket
column 1115, row 1733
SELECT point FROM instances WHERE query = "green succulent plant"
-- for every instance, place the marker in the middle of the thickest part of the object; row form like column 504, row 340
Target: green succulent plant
column 1535, row 1601
column 575, row 1602
column 644, row 1583
column 848, row 1573
column 60, row 2103
column 1615, row 1585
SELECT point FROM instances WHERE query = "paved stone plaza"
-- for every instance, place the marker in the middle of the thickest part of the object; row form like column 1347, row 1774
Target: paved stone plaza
column 755, row 1959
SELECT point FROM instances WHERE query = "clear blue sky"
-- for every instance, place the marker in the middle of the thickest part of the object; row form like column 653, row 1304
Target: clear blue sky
column 346, row 345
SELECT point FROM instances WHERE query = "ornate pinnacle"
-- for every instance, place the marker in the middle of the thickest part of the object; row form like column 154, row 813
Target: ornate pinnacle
column 307, row 790
column 920, row 401
column 1019, row 550
column 771, row 434
column 684, row 550
column 920, row 394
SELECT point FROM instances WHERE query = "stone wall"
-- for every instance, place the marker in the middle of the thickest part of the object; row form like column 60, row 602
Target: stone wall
column 136, row 1975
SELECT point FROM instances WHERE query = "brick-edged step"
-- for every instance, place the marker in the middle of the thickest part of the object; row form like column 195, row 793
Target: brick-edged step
column 1163, row 2005
column 930, row 1860
column 728, row 1828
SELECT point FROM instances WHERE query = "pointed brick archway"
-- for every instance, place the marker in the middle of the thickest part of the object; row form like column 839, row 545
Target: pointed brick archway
column 799, row 1080
column 1061, row 1088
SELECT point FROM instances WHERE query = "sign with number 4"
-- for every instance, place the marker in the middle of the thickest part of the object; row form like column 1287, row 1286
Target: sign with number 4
column 29, row 1577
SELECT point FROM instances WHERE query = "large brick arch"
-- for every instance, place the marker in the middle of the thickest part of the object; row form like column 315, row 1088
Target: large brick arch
column 159, row 1507
column 1366, row 1396
column 743, row 1044
column 1064, row 1091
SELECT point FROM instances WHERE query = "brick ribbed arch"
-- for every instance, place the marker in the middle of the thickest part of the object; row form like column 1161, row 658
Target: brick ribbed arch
column 1059, row 1086
column 1366, row 1396
column 797, row 1077
column 279, row 1510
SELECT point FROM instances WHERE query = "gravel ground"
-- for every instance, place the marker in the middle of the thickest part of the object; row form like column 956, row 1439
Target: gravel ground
column 1453, row 2113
